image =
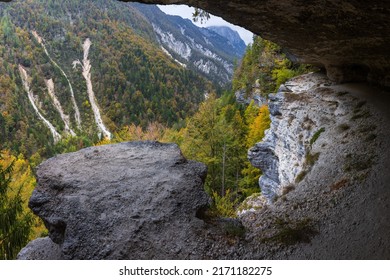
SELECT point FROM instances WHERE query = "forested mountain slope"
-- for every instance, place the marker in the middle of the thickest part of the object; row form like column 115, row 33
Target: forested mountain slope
column 86, row 69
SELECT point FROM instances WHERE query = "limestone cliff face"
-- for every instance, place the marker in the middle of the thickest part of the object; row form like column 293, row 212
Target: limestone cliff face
column 325, row 162
column 281, row 154
column 308, row 116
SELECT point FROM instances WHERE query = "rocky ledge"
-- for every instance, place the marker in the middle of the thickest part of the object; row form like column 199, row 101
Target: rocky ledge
column 290, row 148
column 135, row 200
column 325, row 187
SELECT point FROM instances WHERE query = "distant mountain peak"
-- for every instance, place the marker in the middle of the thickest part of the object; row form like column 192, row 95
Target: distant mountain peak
column 231, row 35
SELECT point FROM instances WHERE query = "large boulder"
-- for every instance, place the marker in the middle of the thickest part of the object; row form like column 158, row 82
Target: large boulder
column 135, row 200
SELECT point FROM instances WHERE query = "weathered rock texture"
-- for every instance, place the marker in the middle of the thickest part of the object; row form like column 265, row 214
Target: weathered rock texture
column 289, row 147
column 325, row 160
column 309, row 115
column 41, row 249
column 350, row 38
column 135, row 200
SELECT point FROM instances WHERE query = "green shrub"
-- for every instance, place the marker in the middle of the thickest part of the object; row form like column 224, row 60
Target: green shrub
column 310, row 158
column 224, row 206
column 300, row 176
column 15, row 222
column 316, row 135
column 282, row 75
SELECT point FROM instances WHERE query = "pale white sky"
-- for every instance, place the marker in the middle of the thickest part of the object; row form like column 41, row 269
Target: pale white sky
column 186, row 12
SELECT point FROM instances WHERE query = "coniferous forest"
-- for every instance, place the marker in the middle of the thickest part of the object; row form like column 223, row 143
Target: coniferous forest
column 141, row 92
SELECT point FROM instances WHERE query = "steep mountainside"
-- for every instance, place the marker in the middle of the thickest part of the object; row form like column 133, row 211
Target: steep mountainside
column 201, row 49
column 87, row 68
column 233, row 37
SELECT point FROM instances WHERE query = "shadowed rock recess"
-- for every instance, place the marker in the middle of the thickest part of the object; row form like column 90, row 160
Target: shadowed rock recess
column 133, row 200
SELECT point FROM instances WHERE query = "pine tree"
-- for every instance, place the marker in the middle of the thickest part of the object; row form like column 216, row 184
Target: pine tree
column 204, row 138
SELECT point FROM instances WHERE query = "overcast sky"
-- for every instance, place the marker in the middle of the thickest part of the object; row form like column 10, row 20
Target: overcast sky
column 186, row 12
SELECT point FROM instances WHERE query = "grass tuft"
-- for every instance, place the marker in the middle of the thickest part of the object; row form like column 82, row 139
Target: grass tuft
column 339, row 185
column 360, row 115
column 310, row 158
column 342, row 93
column 316, row 135
column 300, row 176
column 370, row 137
column 288, row 189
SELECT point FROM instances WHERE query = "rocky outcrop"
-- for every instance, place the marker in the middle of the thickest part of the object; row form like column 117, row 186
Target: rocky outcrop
column 349, row 38
column 137, row 200
column 329, row 190
column 292, row 145
column 255, row 95
column 325, row 162
column 41, row 249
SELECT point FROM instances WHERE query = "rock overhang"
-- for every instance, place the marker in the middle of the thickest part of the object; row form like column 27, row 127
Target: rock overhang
column 350, row 38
